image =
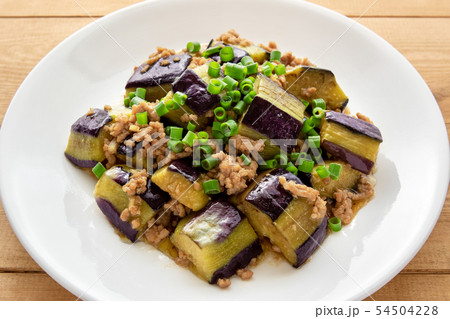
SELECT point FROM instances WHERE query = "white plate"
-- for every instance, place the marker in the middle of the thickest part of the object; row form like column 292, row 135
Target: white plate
column 50, row 204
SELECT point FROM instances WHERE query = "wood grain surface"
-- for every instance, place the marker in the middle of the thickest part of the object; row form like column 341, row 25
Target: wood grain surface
column 417, row 28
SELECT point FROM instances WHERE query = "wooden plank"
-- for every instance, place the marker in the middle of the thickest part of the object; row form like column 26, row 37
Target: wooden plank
column 29, row 286
column 354, row 8
column 408, row 287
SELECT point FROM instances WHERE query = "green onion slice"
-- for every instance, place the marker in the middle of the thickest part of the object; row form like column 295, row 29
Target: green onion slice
column 172, row 105
column 98, row 170
column 193, row 46
column 335, row 224
column 191, row 126
column 314, row 141
column 140, row 92
column 180, row 98
column 210, row 51
column 335, row 170
column 203, row 137
column 236, row 71
column 226, row 54
column 225, row 102
column 175, row 145
column 318, row 103
column 214, row 86
column 161, row 109
column 229, row 128
column 245, row 160
column 248, row 99
column 142, row 118
column 230, row 82
column 209, row 163
column 306, row 166
column 322, row 171
column 126, row 101
column 291, row 168
column 246, row 60
column 211, row 187
column 275, row 55
column 214, row 69
column 268, row 164
column 240, row 108
column 282, row 160
column 136, row 101
column 252, row 68
column 189, row 138
column 220, row 114
column 280, row 69
column 176, row 133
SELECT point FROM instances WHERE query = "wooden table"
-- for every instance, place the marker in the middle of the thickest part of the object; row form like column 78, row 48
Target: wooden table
column 419, row 29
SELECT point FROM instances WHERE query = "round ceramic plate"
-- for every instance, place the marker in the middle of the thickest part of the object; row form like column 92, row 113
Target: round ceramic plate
column 50, row 204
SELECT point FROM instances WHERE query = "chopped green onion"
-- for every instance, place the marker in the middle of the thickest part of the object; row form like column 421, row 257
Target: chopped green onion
column 225, row 102
column 245, row 160
column 214, row 69
column 308, row 125
column 167, row 130
column 203, row 137
column 307, row 166
column 230, row 82
column 220, row 114
column 251, row 78
column 280, row 69
column 272, row 67
column 269, row 164
column 229, row 128
column 142, row 118
column 246, row 86
column 312, row 133
column 136, row 101
column 226, row 54
column 266, row 70
column 236, row 71
column 161, row 109
column 193, row 46
column 172, row 105
column 216, row 131
column 131, row 95
column 318, row 114
column 206, row 150
column 98, row 170
column 298, row 158
column 126, row 101
column 305, row 103
column 140, row 92
column 335, row 224
column 214, row 86
column 176, row 133
column 322, row 171
column 275, row 55
column 196, row 163
column 246, row 60
column 211, row 187
column 210, row 51
column 291, row 168
column 189, row 138
column 175, row 146
column 240, row 108
column 235, row 95
column 191, row 126
column 248, row 99
column 335, row 170
column 252, row 68
column 314, row 141
column 209, row 163
column 180, row 98
column 318, row 103
column 282, row 160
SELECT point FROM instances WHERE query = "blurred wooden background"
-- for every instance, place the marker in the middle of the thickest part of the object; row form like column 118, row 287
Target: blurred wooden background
column 419, row 29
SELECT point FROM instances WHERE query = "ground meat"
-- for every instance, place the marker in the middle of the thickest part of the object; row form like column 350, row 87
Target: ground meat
column 137, row 183
column 144, row 107
column 197, row 186
column 160, row 53
column 253, row 262
column 276, row 249
column 132, row 213
column 185, row 118
column 289, row 59
column 182, row 259
column 155, row 233
column 245, row 145
column 345, row 198
column 244, row 274
column 280, row 80
column 177, row 208
column 196, row 62
column 232, row 37
column 233, row 174
column 272, row 46
column 308, row 92
column 119, row 128
column 224, row 283
column 107, row 108
column 363, row 117
column 90, row 112
column 165, row 62
column 312, row 195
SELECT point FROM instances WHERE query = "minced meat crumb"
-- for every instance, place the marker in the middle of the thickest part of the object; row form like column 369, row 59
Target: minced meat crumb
column 272, row 46
column 289, row 59
column 185, row 118
column 245, row 145
column 182, row 259
column 155, row 233
column 244, row 274
column 345, row 198
column 232, row 37
column 137, row 183
column 132, row 213
column 160, row 53
column 196, row 62
column 176, row 208
column 312, row 195
column 233, row 174
column 363, row 117
column 224, row 283
column 308, row 92
column 280, row 80
column 107, row 108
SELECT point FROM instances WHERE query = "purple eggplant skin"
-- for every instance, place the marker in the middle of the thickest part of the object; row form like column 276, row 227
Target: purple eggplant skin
column 158, row 74
column 222, row 214
column 198, row 97
column 154, row 196
column 354, row 124
column 240, row 261
column 119, row 175
column 269, row 196
column 184, row 167
column 270, row 121
column 238, row 53
column 359, row 163
column 312, row 243
column 81, row 163
column 91, row 124
column 114, row 217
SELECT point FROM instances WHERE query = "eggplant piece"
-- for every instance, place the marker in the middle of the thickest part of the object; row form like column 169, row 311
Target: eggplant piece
column 324, row 81
column 274, row 213
column 85, row 146
column 112, row 200
column 218, row 241
column 158, row 77
column 177, row 179
column 273, row 114
column 347, row 180
column 194, row 83
column 352, row 140
column 238, row 53
column 257, row 53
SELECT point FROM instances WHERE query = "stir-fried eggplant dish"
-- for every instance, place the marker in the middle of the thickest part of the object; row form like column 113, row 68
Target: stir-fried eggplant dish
column 224, row 152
